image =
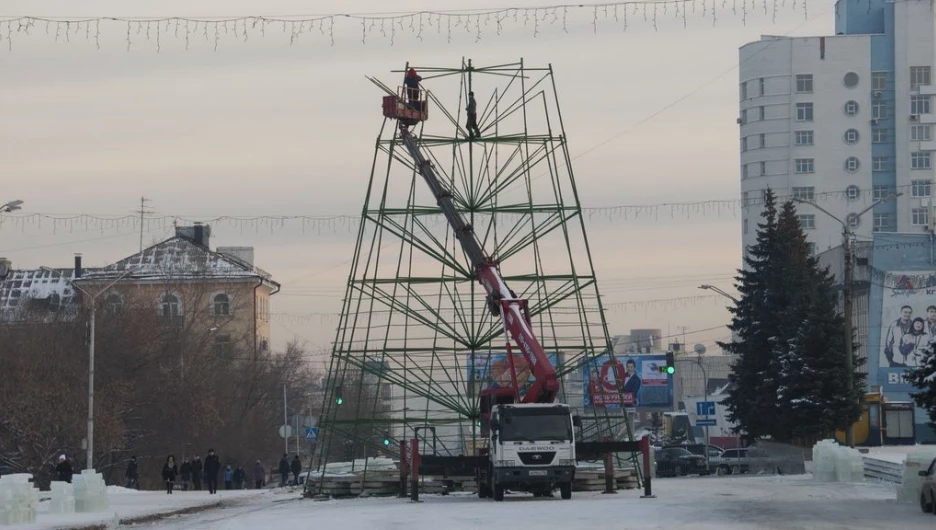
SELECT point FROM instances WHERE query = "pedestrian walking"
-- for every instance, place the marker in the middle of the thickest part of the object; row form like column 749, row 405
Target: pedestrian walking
column 228, row 478
column 133, row 474
column 239, row 477
column 296, row 468
column 284, row 470
column 185, row 473
column 198, row 469
column 212, row 467
column 169, row 473
column 259, row 474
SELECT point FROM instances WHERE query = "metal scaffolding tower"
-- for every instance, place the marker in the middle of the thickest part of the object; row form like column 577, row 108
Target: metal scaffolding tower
column 415, row 343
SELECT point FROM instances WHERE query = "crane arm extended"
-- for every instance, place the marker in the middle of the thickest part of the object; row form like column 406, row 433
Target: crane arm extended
column 501, row 300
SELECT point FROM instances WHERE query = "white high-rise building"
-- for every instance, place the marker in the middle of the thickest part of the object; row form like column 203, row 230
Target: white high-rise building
column 843, row 121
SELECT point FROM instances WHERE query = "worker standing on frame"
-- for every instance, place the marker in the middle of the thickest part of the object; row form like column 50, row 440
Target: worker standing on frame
column 411, row 82
column 472, row 110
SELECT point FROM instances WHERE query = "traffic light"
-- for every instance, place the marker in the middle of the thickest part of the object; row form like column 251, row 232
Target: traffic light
column 670, row 363
column 338, row 397
column 386, row 440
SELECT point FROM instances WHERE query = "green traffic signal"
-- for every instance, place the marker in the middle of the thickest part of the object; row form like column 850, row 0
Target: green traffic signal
column 386, row 441
column 339, row 400
column 671, row 370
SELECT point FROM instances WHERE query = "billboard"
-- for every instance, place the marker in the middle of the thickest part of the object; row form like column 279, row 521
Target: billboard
column 908, row 323
column 644, row 386
column 493, row 371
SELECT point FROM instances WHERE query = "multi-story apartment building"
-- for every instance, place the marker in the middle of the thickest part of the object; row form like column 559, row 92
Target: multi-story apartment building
column 843, row 121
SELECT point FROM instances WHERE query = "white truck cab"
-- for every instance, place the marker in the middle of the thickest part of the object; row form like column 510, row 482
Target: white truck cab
column 532, row 448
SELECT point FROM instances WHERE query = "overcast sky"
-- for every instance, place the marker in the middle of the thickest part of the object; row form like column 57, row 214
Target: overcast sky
column 264, row 128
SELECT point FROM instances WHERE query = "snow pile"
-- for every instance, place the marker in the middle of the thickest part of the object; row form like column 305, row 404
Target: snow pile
column 63, row 498
column 90, row 491
column 917, row 460
column 835, row 463
column 18, row 499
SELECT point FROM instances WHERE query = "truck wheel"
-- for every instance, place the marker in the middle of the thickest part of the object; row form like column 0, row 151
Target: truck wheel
column 498, row 492
column 565, row 489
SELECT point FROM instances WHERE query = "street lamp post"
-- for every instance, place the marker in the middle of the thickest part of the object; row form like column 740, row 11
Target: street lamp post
column 718, row 291
column 11, row 206
column 847, row 290
column 92, row 305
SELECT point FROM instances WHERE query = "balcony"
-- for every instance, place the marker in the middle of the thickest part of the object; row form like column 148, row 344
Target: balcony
column 923, row 118
column 927, row 90
column 928, row 146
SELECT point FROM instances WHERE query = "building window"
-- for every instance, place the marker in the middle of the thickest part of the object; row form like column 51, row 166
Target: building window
column 881, row 222
column 853, row 192
column 744, row 199
column 803, row 137
column 851, row 136
column 880, row 163
column 852, row 164
column 879, row 81
column 879, row 110
column 920, row 161
column 222, row 344
column 743, row 115
column 810, row 248
column 762, row 87
column 760, row 113
column 744, row 171
column 743, row 91
column 807, row 221
column 920, row 133
column 803, row 83
column 851, row 108
column 744, row 144
column 879, row 191
column 879, row 135
column 804, row 165
column 113, row 303
column 919, row 105
column 222, row 305
column 170, row 306
column 804, row 112
column 763, row 140
column 853, row 220
column 920, row 188
column 744, row 226
column 850, row 80
column 919, row 76
column 805, row 193
column 919, row 216
column 763, row 168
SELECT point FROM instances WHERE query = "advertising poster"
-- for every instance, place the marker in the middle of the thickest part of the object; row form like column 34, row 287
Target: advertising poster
column 644, row 386
column 908, row 324
column 493, row 371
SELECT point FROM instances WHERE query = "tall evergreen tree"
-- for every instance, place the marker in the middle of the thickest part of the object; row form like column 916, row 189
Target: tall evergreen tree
column 813, row 398
column 923, row 377
column 752, row 400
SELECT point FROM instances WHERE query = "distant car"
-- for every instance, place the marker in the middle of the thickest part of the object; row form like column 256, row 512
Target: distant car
column 678, row 461
column 928, row 491
column 744, row 460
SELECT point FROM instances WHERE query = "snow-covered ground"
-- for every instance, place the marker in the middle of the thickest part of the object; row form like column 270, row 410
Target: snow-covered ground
column 703, row 503
column 128, row 504
column 893, row 453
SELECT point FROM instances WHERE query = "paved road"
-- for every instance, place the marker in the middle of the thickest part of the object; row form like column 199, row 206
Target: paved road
column 755, row 503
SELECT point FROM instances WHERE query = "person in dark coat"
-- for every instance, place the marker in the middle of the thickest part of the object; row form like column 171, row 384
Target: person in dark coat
column 197, row 472
column 63, row 471
column 212, row 466
column 296, row 467
column 411, row 82
column 239, row 477
column 133, row 473
column 284, row 470
column 259, row 475
column 472, row 112
column 185, row 473
column 170, row 472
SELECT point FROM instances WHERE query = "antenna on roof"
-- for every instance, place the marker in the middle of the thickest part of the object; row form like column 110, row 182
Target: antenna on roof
column 143, row 210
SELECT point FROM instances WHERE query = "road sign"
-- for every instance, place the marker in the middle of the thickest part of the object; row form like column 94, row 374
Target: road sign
column 705, row 408
column 311, row 433
column 705, row 422
column 285, row 431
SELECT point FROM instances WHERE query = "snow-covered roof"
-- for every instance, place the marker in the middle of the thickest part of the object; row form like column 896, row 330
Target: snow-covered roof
column 36, row 284
column 179, row 258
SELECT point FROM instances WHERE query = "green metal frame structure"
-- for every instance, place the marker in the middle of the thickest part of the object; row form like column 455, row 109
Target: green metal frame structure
column 414, row 335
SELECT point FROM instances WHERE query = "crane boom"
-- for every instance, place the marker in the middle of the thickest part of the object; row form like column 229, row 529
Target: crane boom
column 501, row 300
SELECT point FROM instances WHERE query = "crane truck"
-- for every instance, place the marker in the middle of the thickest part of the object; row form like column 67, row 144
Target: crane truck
column 531, row 443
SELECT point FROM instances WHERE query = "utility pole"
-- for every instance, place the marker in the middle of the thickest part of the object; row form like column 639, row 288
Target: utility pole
column 847, row 291
column 285, row 420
